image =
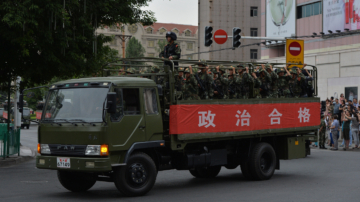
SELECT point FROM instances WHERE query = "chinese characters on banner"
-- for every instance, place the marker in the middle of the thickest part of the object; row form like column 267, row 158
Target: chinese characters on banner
column 187, row 119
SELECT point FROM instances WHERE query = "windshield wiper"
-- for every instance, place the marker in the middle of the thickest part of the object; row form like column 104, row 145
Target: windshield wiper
column 67, row 121
column 82, row 120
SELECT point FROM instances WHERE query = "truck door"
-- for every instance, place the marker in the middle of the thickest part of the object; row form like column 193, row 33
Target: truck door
column 127, row 124
column 153, row 120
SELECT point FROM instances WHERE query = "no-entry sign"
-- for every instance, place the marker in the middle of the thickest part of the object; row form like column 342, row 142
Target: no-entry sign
column 220, row 36
column 295, row 52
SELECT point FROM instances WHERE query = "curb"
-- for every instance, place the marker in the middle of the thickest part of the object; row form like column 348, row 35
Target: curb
column 13, row 160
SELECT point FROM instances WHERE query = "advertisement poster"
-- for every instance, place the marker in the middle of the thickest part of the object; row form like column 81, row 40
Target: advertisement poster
column 341, row 15
column 280, row 18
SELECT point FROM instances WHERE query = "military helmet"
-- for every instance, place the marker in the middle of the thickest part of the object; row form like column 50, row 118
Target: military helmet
column 267, row 66
column 187, row 70
column 130, row 70
column 322, row 115
column 201, row 62
column 172, row 35
column 221, row 66
column 155, row 69
column 181, row 69
column 261, row 70
column 282, row 69
column 293, row 70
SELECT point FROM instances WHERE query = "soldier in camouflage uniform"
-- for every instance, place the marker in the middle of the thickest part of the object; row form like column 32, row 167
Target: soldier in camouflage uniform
column 257, row 85
column 190, row 86
column 222, row 82
column 244, row 81
column 172, row 50
column 322, row 131
column 273, row 91
column 232, row 83
column 179, row 79
column 130, row 71
column 295, row 82
column 265, row 83
column 206, row 79
column 283, row 83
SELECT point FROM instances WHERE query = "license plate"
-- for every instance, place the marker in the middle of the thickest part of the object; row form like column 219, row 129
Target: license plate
column 63, row 162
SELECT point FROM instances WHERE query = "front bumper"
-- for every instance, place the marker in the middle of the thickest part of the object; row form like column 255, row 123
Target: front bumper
column 76, row 164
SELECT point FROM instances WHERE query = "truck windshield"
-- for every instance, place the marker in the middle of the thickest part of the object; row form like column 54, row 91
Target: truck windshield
column 84, row 104
column 26, row 112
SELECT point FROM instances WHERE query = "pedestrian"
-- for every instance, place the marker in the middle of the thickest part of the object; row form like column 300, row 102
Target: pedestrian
column 341, row 109
column 355, row 129
column 355, row 102
column 346, row 129
column 335, row 131
column 322, row 131
column 328, row 122
column 342, row 98
column 336, row 107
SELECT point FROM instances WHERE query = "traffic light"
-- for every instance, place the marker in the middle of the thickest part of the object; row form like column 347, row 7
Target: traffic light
column 208, row 36
column 236, row 37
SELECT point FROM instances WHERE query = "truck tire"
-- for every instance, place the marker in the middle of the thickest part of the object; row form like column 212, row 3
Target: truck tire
column 75, row 181
column 262, row 161
column 28, row 126
column 206, row 172
column 138, row 177
column 245, row 170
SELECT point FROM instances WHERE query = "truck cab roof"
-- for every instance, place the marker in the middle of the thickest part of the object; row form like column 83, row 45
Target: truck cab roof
column 118, row 81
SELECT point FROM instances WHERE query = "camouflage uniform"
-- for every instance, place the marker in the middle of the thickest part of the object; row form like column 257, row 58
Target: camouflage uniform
column 232, row 84
column 171, row 49
column 257, row 85
column 244, row 81
column 207, row 80
column 179, row 81
column 265, row 84
column 283, row 85
column 273, row 91
column 322, row 133
column 190, row 88
column 295, row 83
column 222, row 83
column 130, row 71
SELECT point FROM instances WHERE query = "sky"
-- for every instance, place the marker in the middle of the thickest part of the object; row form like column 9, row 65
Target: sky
column 175, row 11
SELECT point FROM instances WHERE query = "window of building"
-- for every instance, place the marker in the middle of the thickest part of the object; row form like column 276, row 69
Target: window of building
column 151, row 106
column 253, row 31
column 176, row 31
column 309, row 10
column 149, row 30
column 253, row 11
column 253, row 54
column 162, row 30
column 187, row 33
column 151, row 55
column 151, row 44
column 189, row 46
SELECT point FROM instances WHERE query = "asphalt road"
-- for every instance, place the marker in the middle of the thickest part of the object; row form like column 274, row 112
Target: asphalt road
column 324, row 176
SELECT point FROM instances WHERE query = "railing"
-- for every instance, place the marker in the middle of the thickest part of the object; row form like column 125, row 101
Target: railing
column 9, row 141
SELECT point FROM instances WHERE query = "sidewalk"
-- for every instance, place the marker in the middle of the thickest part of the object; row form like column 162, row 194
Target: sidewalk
column 26, row 154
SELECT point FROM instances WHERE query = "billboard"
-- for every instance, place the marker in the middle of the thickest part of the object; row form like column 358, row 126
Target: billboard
column 340, row 15
column 280, row 18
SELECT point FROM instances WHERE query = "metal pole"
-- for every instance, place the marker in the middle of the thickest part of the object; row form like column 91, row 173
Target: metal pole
column 123, row 42
column 8, row 118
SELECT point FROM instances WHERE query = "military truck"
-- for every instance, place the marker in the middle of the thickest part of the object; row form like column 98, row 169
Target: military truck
column 125, row 129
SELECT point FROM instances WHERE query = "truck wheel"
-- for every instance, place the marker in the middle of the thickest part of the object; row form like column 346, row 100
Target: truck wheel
column 207, row 172
column 75, row 181
column 245, row 170
column 262, row 161
column 28, row 126
column 138, row 176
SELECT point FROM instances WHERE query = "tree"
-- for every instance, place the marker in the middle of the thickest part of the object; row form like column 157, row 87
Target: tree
column 134, row 48
column 41, row 39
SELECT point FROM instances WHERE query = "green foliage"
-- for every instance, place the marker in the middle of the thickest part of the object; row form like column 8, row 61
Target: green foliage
column 41, row 39
column 134, row 48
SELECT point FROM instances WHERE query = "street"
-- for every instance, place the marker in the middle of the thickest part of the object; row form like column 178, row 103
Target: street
column 324, row 176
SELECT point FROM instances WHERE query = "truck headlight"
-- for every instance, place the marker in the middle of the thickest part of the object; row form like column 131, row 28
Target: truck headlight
column 92, row 150
column 44, row 149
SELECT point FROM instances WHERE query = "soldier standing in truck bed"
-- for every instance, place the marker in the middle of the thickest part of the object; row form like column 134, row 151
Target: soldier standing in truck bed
column 179, row 79
column 283, row 82
column 190, row 86
column 221, row 81
column 273, row 91
column 172, row 50
column 296, row 82
column 265, row 83
column 233, row 83
column 206, row 80
column 244, row 81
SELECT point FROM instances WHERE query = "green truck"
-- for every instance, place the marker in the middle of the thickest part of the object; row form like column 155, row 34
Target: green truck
column 124, row 129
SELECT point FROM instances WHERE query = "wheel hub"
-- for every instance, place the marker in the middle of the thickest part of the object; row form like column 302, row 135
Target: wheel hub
column 138, row 173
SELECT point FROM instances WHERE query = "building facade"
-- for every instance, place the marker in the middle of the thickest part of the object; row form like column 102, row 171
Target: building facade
column 227, row 14
column 336, row 56
column 149, row 37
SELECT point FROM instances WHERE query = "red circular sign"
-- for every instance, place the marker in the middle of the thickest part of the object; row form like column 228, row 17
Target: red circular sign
column 294, row 48
column 220, row 36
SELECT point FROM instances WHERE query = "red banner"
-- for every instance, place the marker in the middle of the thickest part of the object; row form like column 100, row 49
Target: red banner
column 186, row 119
column 38, row 115
column 5, row 115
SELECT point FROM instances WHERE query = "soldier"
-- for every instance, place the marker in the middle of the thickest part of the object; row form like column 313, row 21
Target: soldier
column 322, row 131
column 204, row 81
column 172, row 50
column 130, row 71
column 257, row 85
column 232, row 83
column 244, row 81
column 221, row 82
column 179, row 79
column 295, row 83
column 283, row 83
column 273, row 91
column 265, row 83
column 190, row 86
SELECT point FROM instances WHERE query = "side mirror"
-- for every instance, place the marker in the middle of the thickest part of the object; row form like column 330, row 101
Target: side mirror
column 21, row 103
column 111, row 103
